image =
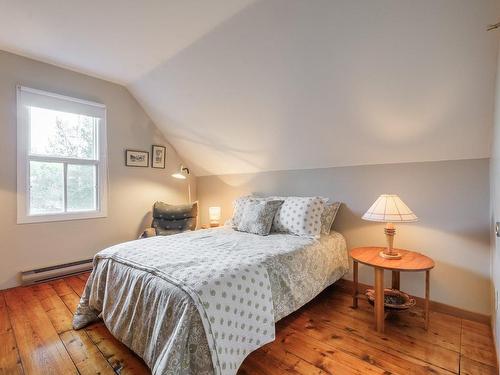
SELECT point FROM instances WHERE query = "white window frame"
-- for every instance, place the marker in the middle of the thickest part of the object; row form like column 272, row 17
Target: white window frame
column 23, row 160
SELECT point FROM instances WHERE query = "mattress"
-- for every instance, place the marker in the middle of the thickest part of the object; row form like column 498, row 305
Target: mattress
column 200, row 302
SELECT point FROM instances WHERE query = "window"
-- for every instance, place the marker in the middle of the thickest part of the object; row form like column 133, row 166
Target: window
column 61, row 157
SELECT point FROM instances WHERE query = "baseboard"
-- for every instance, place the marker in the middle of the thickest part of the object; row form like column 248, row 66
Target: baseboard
column 347, row 286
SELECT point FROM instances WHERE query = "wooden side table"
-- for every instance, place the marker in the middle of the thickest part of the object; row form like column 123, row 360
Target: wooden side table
column 208, row 226
column 410, row 261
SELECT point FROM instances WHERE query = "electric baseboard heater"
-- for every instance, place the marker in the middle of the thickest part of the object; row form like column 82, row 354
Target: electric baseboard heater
column 40, row 275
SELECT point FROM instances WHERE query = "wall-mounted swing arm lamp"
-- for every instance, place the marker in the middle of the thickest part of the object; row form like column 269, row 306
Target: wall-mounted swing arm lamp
column 493, row 27
column 182, row 174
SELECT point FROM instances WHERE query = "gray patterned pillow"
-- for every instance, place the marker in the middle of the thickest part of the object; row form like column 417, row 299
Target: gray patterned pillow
column 258, row 216
column 300, row 216
column 328, row 216
column 239, row 205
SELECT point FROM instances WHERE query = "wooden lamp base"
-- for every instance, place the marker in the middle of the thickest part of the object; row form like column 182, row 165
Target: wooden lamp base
column 389, row 252
column 385, row 255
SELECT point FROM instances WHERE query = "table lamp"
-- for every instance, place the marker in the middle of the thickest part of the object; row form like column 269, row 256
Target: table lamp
column 214, row 214
column 389, row 209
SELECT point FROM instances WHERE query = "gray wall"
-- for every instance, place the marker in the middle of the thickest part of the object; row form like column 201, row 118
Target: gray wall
column 451, row 199
column 131, row 190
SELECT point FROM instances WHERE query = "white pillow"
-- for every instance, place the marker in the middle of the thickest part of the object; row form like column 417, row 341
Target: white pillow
column 300, row 216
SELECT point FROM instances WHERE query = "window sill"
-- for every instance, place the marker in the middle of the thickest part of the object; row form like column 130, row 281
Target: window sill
column 61, row 217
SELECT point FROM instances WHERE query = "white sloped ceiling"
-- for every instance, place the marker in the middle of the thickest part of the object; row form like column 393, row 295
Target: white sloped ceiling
column 246, row 86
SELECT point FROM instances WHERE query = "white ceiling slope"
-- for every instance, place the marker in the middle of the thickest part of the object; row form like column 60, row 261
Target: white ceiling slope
column 246, row 86
column 118, row 40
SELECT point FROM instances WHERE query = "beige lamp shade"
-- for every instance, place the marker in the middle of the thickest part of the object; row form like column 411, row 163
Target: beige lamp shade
column 182, row 173
column 214, row 214
column 389, row 208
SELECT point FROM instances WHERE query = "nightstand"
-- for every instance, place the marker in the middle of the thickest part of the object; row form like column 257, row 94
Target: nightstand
column 410, row 261
column 207, row 226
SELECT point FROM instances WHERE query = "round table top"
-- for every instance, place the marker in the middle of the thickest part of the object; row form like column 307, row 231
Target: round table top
column 410, row 261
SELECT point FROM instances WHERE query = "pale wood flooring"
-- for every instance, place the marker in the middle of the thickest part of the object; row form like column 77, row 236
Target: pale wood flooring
column 326, row 336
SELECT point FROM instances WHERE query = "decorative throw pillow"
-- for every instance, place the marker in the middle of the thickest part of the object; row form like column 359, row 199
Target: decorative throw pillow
column 328, row 216
column 238, row 208
column 300, row 216
column 258, row 216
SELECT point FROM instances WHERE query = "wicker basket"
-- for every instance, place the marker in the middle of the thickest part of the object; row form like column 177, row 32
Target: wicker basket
column 393, row 299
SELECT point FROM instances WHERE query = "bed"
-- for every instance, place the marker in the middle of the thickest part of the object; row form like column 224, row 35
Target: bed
column 200, row 302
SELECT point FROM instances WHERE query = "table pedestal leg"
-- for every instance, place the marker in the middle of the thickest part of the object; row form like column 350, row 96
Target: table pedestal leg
column 395, row 280
column 355, row 284
column 379, row 300
column 427, row 292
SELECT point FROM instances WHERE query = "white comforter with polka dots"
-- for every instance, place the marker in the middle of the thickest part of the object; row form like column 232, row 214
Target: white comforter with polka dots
column 200, row 302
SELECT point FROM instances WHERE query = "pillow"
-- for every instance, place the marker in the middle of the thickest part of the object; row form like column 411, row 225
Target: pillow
column 328, row 216
column 258, row 216
column 300, row 216
column 238, row 208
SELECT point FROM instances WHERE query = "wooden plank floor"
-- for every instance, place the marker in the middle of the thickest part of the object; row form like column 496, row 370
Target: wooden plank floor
column 326, row 336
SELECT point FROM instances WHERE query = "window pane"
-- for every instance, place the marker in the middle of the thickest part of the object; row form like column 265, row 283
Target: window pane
column 62, row 134
column 46, row 188
column 81, row 187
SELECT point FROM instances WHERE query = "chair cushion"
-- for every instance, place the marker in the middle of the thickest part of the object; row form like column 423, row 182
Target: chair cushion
column 171, row 219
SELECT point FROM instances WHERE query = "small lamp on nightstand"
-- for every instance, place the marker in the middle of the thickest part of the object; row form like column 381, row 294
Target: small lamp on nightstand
column 214, row 214
column 389, row 209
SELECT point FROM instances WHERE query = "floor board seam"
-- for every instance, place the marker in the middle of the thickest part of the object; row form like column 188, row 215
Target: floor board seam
column 35, row 295
column 374, row 346
column 299, row 333
column 71, row 329
column 100, row 351
column 460, row 356
column 23, row 366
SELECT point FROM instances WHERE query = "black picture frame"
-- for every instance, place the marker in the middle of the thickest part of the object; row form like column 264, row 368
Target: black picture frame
column 129, row 156
column 154, row 163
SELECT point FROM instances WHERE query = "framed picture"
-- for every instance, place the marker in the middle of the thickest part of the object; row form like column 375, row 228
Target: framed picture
column 159, row 154
column 135, row 158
